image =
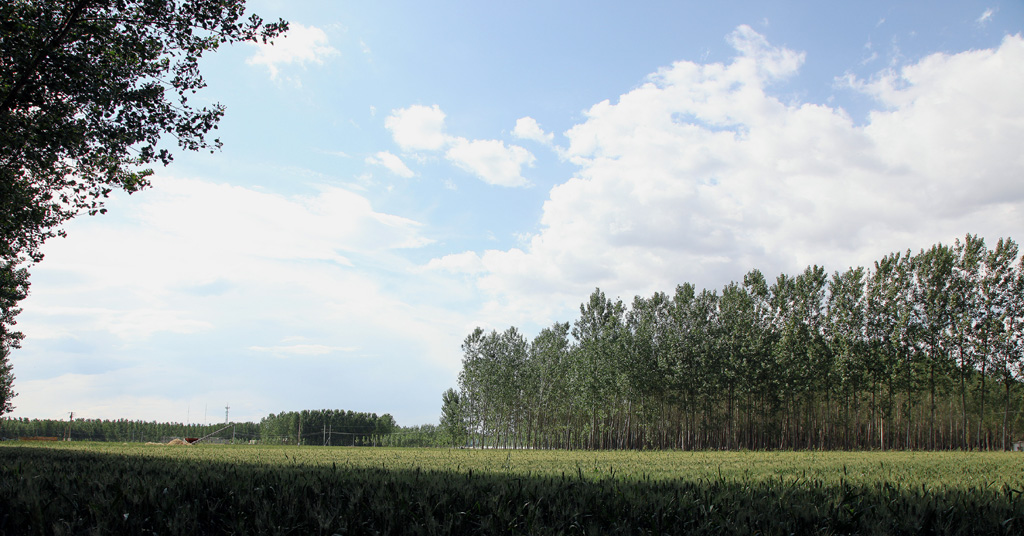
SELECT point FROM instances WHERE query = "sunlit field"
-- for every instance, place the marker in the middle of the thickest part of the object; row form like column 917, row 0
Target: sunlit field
column 212, row 489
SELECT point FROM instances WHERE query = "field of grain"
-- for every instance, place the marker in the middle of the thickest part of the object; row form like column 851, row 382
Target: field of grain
column 214, row 489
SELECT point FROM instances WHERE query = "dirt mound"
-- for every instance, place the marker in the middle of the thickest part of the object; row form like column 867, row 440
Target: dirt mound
column 177, row 441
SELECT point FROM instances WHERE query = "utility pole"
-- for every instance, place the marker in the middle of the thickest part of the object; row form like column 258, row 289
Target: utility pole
column 71, row 419
column 298, row 438
column 226, row 409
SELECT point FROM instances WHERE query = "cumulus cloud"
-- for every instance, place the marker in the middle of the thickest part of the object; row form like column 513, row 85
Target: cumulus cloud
column 244, row 237
column 491, row 160
column 418, row 128
column 195, row 289
column 701, row 174
column 527, row 128
column 760, row 57
column 421, row 128
column 300, row 45
column 393, row 163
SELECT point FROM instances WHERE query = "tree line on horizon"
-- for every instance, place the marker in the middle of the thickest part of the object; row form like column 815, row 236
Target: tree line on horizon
column 307, row 427
column 327, row 427
column 919, row 351
column 120, row 430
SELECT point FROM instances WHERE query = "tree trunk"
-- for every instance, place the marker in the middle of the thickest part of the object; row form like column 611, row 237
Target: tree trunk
column 931, row 420
column 981, row 411
column 1006, row 414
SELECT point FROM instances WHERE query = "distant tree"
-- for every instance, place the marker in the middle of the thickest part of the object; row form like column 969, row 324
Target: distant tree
column 845, row 329
column 475, row 382
column 967, row 323
column 998, row 322
column 549, row 363
column 645, row 373
column 600, row 335
column 738, row 328
column 933, row 319
column 888, row 316
column 384, row 425
column 453, row 424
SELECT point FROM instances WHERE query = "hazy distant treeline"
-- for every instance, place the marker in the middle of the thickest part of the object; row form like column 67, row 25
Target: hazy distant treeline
column 919, row 351
column 310, row 427
column 121, row 430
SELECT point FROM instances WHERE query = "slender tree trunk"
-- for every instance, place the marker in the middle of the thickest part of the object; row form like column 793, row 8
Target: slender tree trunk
column 874, row 411
column 909, row 407
column 827, row 430
column 729, row 409
column 1006, row 413
column 629, row 418
column 963, row 400
column 931, row 421
column 846, row 419
column 981, row 411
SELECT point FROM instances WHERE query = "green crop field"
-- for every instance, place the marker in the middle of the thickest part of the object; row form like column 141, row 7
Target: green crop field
column 212, row 489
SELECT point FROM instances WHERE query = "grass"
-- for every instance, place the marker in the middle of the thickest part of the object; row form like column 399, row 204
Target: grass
column 213, row 489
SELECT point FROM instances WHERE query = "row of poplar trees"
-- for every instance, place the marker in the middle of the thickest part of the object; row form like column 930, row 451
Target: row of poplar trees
column 922, row 351
column 326, row 427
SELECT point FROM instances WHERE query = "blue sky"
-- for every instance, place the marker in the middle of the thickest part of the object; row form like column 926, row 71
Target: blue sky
column 396, row 173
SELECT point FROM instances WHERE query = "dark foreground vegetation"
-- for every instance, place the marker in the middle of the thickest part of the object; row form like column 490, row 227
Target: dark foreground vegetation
column 919, row 351
column 250, row 490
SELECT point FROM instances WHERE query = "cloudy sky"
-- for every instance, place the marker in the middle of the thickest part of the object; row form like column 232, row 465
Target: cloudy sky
column 396, row 173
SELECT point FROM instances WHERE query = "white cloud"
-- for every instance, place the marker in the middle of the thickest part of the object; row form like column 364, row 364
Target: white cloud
column 466, row 262
column 421, row 128
column 491, row 160
column 195, row 289
column 770, row 62
column 299, row 45
column 985, row 17
column 244, row 237
column 137, row 324
column 700, row 175
column 527, row 128
column 392, row 163
column 302, row 349
column 418, row 128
